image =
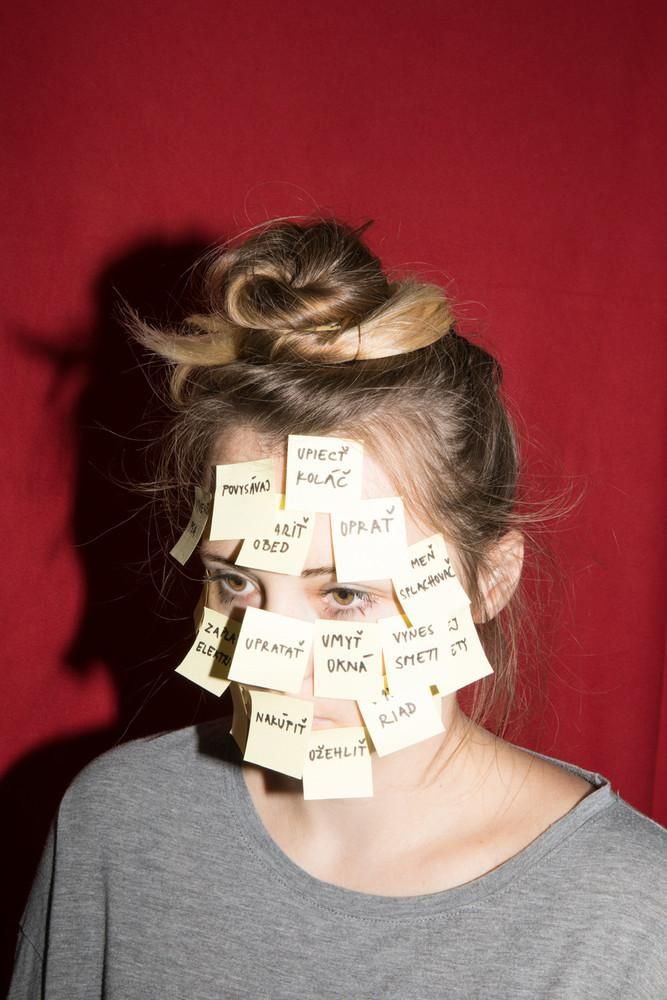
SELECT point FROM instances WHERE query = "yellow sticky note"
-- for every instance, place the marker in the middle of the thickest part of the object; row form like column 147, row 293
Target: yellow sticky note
column 272, row 650
column 209, row 658
column 194, row 529
column 278, row 732
column 347, row 660
column 280, row 545
column 323, row 473
column 397, row 721
column 338, row 765
column 413, row 655
column 369, row 540
column 244, row 494
column 241, row 715
column 429, row 587
column 466, row 660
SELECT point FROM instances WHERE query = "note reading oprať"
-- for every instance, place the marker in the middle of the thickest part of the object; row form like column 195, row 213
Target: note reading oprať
column 369, row 540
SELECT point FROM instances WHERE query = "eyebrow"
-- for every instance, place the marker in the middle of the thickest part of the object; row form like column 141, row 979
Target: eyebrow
column 314, row 571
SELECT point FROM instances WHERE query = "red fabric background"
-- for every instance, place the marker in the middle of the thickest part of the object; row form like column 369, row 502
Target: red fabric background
column 518, row 148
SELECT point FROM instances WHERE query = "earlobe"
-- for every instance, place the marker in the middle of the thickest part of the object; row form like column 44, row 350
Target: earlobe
column 500, row 579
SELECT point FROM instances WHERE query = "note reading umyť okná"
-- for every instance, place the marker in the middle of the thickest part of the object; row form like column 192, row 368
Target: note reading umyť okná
column 323, row 473
column 240, row 714
column 338, row 765
column 278, row 732
column 208, row 661
column 347, row 660
column 398, row 721
column 194, row 529
column 369, row 540
column 466, row 660
column 280, row 545
column 414, row 655
column 272, row 651
column 244, row 494
column 429, row 587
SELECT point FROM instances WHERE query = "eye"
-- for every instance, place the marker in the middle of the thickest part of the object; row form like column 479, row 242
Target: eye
column 231, row 586
column 344, row 602
column 343, row 596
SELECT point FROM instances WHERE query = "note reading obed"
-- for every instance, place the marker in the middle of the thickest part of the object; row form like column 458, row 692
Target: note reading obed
column 338, row 765
column 281, row 544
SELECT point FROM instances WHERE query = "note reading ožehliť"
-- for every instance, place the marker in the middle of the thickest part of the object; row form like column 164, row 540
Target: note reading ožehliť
column 323, row 473
column 244, row 495
column 278, row 732
column 369, row 540
column 398, row 721
column 338, row 765
column 208, row 660
column 347, row 660
column 428, row 586
column 272, row 650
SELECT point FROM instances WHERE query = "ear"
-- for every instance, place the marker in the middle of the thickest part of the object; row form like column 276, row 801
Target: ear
column 500, row 578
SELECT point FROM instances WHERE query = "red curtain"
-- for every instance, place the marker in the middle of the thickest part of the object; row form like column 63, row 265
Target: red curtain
column 514, row 151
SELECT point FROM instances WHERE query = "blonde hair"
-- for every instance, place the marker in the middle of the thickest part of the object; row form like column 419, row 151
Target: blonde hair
column 301, row 331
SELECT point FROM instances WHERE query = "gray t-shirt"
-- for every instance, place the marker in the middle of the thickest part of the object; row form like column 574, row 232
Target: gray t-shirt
column 160, row 881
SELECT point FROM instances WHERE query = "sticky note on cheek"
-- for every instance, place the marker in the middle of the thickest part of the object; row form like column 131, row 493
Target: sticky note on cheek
column 413, row 655
column 429, row 586
column 369, row 540
column 466, row 660
column 338, row 765
column 241, row 715
column 323, row 473
column 347, row 660
column 398, row 721
column 281, row 544
column 272, row 651
column 278, row 732
column 209, row 659
column 244, row 494
column 194, row 529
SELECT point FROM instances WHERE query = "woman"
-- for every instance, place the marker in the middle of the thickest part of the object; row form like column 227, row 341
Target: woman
column 457, row 865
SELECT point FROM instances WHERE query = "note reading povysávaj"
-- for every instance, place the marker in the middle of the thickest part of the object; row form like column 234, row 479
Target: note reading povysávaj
column 194, row 529
column 369, row 540
column 281, row 543
column 244, row 494
column 429, row 586
column 209, row 658
column 278, row 732
column 347, row 660
column 414, row 655
column 323, row 473
column 398, row 721
column 338, row 765
column 272, row 651
column 466, row 660
column 240, row 714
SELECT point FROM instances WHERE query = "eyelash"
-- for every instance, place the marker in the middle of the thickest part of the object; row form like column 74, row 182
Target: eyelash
column 366, row 600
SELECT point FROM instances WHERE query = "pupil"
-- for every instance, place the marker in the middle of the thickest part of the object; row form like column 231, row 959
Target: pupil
column 345, row 596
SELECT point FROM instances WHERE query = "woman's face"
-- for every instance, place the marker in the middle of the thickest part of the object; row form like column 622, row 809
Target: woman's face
column 316, row 593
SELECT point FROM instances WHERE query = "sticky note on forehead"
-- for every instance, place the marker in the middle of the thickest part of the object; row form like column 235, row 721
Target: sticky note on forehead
column 398, row 721
column 194, row 529
column 244, row 493
column 278, row 732
column 413, row 655
column 272, row 650
column 208, row 661
column 323, row 473
column 429, row 586
column 338, row 765
column 369, row 540
column 280, row 544
column 347, row 660
column 466, row 660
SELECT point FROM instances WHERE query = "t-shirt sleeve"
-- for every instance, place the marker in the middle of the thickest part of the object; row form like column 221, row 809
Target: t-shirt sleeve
column 28, row 974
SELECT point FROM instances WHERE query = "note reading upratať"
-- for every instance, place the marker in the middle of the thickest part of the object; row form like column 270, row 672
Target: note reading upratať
column 323, row 473
column 429, row 586
column 272, row 651
column 398, row 721
column 338, row 765
column 347, row 660
column 278, row 732
column 244, row 495
column 466, row 660
column 414, row 655
column 208, row 661
column 369, row 540
column 194, row 529
column 280, row 545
